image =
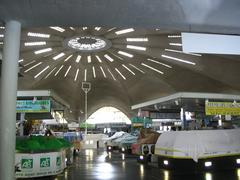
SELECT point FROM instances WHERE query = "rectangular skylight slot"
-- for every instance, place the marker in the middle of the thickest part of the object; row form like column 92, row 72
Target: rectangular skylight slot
column 29, row 63
column 177, row 51
column 137, row 39
column 38, row 35
column 97, row 28
column 125, row 54
column 109, row 58
column 116, row 56
column 57, row 28
column 20, row 60
column 103, row 71
column 76, row 75
column 40, row 43
column 78, row 58
column 59, row 56
column 58, row 70
column 174, row 36
column 43, row 50
column 72, row 28
column 136, row 47
column 98, row 58
column 89, row 59
column 137, row 68
column 124, row 31
column 94, row 73
column 156, row 70
column 67, row 71
column 84, row 28
column 68, row 58
column 85, row 75
column 120, row 74
column 175, row 44
column 111, row 29
column 112, row 75
column 178, row 59
column 159, row 63
column 128, row 69
column 33, row 67
column 1, row 35
column 50, row 73
column 41, row 72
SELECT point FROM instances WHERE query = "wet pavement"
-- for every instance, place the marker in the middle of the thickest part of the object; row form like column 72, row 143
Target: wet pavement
column 100, row 165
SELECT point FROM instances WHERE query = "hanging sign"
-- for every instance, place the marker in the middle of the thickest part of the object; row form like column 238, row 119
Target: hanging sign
column 222, row 108
column 31, row 106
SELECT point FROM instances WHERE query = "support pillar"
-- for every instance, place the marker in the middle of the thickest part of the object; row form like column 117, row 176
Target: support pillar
column 8, row 96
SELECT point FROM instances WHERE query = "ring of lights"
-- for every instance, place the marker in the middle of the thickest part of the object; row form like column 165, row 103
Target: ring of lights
column 87, row 43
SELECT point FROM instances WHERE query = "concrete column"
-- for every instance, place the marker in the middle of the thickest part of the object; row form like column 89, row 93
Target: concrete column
column 8, row 99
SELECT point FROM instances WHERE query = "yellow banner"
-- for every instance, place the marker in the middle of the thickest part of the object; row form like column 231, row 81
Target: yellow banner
column 222, row 108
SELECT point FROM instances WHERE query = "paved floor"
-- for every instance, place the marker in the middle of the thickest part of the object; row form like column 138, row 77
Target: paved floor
column 98, row 165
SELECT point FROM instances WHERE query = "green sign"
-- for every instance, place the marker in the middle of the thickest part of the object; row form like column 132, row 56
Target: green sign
column 45, row 162
column 27, row 163
column 31, row 106
column 58, row 161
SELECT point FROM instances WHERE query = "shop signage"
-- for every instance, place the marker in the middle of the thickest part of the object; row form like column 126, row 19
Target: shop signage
column 222, row 108
column 30, row 106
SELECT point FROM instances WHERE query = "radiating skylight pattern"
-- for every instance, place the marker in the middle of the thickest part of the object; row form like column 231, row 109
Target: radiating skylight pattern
column 117, row 56
column 152, row 68
column 36, row 65
column 108, row 58
column 112, row 75
column 124, row 31
column 116, row 69
column 103, row 72
column 128, row 69
column 40, row 35
column 178, row 59
column 58, row 56
column 42, row 71
column 136, row 47
column 65, row 75
column 94, row 72
column 40, row 43
column 76, row 75
column 58, row 70
column 65, row 60
column 78, row 58
column 125, row 54
column 50, row 72
column 98, row 58
column 43, row 51
column 159, row 63
column 137, row 39
column 177, row 51
column 137, row 68
column 57, row 28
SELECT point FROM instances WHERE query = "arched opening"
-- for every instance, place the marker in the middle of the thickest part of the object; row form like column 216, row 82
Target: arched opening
column 106, row 115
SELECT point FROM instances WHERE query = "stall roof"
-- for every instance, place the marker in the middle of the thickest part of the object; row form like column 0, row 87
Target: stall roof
column 187, row 95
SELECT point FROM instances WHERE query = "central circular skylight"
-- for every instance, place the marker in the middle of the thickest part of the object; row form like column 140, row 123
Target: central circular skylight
column 88, row 43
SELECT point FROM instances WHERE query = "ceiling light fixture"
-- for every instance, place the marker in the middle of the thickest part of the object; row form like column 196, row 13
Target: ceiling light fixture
column 137, row 39
column 175, row 44
column 136, row 47
column 20, row 60
column 38, row 35
column 111, row 29
column 124, row 31
column 72, row 28
column 178, row 59
column 68, row 58
column 85, row 75
column 43, row 50
column 98, row 58
column 120, row 74
column 58, row 70
column 41, row 72
column 112, row 75
column 116, row 56
column 103, row 71
column 2, row 27
column 76, row 75
column 40, row 43
column 33, row 67
column 109, row 58
column 1, row 42
column 1, row 35
column 159, row 63
column 97, row 28
column 137, row 68
column 125, row 54
column 58, row 56
column 177, row 51
column 94, row 73
column 89, row 59
column 156, row 70
column 65, row 75
column 174, row 36
column 29, row 63
column 78, row 58
column 57, row 28
column 50, row 73
column 84, row 28
column 128, row 69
